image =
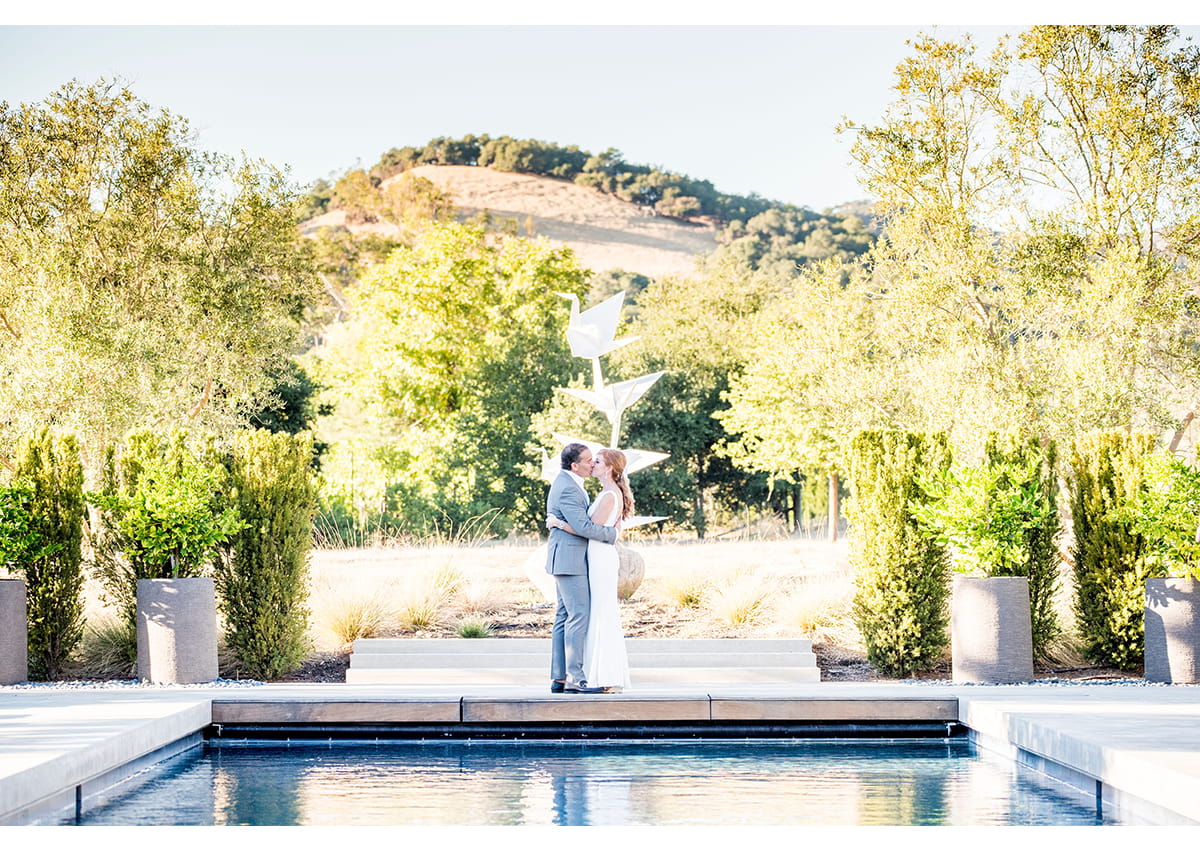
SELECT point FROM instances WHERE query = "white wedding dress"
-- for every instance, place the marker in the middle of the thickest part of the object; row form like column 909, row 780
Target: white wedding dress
column 605, row 660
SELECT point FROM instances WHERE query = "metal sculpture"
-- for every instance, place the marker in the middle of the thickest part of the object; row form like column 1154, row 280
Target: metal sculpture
column 592, row 334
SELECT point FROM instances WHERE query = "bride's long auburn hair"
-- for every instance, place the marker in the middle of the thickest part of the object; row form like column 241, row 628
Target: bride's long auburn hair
column 615, row 459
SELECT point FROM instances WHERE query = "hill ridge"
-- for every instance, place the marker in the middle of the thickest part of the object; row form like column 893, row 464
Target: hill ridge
column 605, row 232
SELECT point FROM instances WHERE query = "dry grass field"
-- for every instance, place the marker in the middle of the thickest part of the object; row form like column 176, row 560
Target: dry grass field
column 603, row 231
column 782, row 587
column 733, row 589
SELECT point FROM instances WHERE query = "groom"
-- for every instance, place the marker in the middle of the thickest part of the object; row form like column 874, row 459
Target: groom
column 567, row 563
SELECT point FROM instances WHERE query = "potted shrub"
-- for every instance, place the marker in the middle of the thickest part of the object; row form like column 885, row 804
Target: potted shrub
column 161, row 523
column 1167, row 514
column 20, row 543
column 1000, row 521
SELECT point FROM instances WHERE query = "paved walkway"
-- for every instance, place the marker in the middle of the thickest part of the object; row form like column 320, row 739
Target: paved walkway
column 1139, row 744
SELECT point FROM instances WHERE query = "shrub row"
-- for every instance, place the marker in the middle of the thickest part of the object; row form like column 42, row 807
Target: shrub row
column 165, row 510
column 1133, row 511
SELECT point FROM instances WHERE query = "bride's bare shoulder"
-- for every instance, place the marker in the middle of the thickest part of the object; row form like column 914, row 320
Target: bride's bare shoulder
column 600, row 497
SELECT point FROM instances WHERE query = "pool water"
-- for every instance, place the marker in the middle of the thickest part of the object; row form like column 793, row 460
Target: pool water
column 616, row 782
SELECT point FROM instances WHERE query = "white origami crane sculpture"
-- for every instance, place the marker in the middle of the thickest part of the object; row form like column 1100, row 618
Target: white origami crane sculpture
column 592, row 334
column 613, row 399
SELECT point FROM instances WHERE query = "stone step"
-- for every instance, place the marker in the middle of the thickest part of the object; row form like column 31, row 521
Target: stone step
column 542, row 645
column 536, row 660
column 526, row 660
column 528, row 676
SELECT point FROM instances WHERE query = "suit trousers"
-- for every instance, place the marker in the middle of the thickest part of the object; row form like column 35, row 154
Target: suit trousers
column 569, row 636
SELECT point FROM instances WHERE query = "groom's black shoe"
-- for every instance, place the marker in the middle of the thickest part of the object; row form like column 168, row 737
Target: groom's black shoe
column 582, row 687
column 556, row 686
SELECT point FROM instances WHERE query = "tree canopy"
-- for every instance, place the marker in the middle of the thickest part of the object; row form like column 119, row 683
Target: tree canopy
column 1036, row 270
column 453, row 345
column 141, row 280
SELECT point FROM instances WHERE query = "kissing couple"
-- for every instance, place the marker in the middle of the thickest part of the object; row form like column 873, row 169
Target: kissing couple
column 587, row 653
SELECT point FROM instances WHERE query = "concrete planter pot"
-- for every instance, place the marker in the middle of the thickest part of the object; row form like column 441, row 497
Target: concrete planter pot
column 177, row 630
column 1172, row 630
column 991, row 636
column 14, row 632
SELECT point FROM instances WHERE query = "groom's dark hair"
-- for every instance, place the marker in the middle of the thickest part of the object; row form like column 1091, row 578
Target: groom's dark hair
column 571, row 453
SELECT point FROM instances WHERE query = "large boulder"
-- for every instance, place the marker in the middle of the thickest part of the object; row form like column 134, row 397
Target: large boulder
column 630, row 573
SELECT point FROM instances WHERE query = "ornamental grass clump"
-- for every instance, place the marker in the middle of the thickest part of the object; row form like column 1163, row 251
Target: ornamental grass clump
column 419, row 613
column 817, row 609
column 473, row 627
column 348, row 614
column 902, row 574
column 479, row 597
column 741, row 602
column 108, row 650
column 685, row 590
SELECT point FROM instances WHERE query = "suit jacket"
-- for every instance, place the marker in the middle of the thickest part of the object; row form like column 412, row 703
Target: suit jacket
column 568, row 553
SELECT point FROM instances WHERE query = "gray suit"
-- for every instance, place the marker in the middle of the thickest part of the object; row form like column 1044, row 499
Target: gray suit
column 567, row 562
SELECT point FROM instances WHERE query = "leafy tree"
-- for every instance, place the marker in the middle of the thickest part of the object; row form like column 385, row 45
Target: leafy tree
column 340, row 258
column 692, row 329
column 142, row 280
column 409, row 201
column 784, row 240
column 297, row 407
column 457, row 342
column 357, row 193
column 612, row 281
column 315, row 202
column 819, row 368
column 1041, row 209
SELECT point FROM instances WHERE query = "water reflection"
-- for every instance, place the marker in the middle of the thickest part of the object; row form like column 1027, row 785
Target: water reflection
column 813, row 782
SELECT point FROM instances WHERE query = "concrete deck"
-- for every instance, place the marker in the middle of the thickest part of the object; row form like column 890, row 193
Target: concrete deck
column 1139, row 745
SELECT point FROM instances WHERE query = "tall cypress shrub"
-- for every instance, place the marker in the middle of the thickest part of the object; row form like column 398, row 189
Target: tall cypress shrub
column 262, row 573
column 53, row 472
column 901, row 603
column 1110, row 563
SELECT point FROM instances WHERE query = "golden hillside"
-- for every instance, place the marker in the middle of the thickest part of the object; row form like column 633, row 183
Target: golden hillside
column 605, row 232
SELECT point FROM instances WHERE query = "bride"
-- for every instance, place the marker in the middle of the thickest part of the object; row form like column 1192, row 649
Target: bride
column 605, row 661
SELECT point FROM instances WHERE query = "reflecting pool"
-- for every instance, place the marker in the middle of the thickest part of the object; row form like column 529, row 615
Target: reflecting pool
column 617, row 782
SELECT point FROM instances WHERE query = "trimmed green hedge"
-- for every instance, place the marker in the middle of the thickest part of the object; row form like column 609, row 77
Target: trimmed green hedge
column 50, row 468
column 262, row 573
column 902, row 573
column 1110, row 555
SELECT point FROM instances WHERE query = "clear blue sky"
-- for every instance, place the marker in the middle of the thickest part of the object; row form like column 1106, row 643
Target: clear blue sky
column 750, row 108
